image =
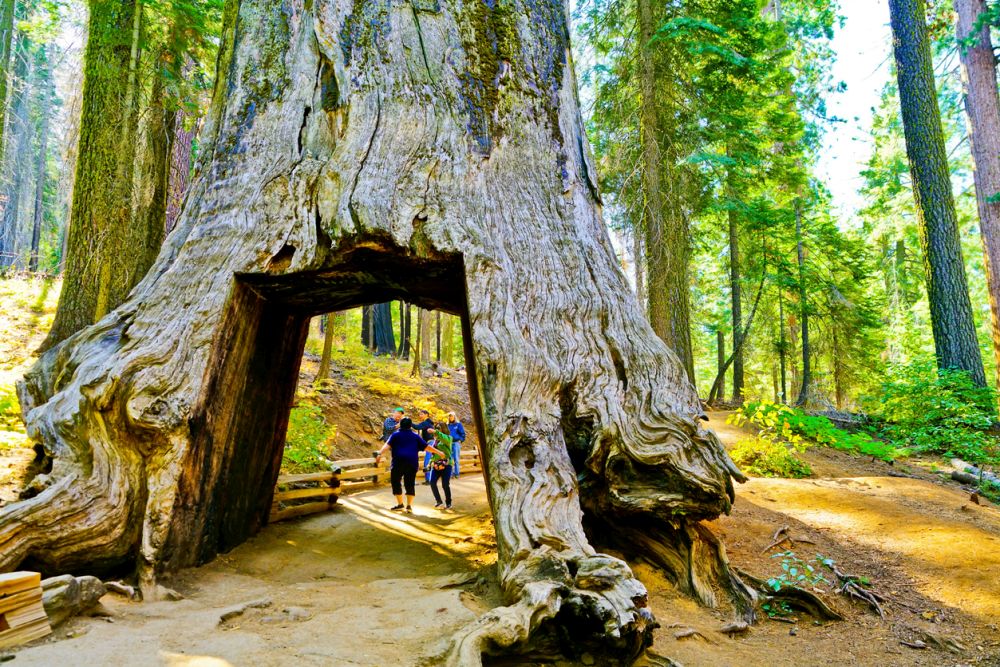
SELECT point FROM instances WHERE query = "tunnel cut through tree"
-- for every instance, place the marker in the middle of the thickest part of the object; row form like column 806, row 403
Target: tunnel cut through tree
column 363, row 152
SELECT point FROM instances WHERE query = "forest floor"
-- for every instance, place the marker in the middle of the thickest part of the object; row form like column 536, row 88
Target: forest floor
column 365, row 586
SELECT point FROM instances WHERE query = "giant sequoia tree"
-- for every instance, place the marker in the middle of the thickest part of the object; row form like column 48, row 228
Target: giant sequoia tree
column 362, row 152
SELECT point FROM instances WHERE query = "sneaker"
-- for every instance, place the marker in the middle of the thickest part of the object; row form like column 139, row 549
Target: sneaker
column 409, row 509
column 396, row 508
column 448, row 506
column 438, row 505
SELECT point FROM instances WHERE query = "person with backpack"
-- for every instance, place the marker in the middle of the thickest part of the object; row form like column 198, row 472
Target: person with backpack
column 406, row 447
column 441, row 464
column 457, row 432
column 422, row 427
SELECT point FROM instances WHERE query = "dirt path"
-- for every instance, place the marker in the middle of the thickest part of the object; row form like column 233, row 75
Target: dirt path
column 921, row 542
column 377, row 588
column 372, row 584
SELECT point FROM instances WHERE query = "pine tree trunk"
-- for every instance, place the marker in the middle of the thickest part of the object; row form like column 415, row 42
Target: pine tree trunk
column 437, row 336
column 151, row 213
column 404, row 330
column 639, row 268
column 324, row 361
column 181, row 143
column 947, row 290
column 41, row 162
column 19, row 134
column 806, row 380
column 383, row 337
column 448, row 342
column 357, row 153
column 105, row 254
column 735, row 288
column 6, row 40
column 982, row 107
column 720, row 348
column 367, row 330
column 667, row 244
column 425, row 336
column 782, row 346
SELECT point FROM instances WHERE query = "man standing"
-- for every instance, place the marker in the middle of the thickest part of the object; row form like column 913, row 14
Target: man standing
column 391, row 423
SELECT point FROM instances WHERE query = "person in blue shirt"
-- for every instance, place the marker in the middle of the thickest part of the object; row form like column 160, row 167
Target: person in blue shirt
column 391, row 423
column 458, row 437
column 406, row 447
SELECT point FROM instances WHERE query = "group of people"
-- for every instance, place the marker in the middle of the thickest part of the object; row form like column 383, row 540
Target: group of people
column 441, row 445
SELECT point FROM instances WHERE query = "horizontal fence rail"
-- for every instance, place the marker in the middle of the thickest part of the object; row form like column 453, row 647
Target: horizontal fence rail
column 312, row 492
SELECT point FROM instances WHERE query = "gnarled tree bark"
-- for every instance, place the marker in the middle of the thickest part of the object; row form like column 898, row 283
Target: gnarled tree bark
column 364, row 152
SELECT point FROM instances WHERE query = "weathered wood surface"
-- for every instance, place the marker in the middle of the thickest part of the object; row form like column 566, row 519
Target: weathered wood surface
column 358, row 152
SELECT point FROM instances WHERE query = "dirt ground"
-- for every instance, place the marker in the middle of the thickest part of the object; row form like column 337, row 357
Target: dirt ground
column 365, row 586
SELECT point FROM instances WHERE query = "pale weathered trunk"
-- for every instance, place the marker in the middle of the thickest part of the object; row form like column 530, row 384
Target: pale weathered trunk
column 360, row 153
column 982, row 107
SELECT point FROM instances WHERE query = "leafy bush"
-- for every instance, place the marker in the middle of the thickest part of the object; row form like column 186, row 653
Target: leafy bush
column 921, row 409
column 306, row 441
column 792, row 424
column 765, row 456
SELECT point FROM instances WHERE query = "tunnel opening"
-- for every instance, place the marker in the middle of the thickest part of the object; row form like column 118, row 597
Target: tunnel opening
column 239, row 431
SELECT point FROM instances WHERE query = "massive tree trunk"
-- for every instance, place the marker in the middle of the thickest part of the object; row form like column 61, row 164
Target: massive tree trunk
column 667, row 243
column 982, row 107
column 954, row 331
column 105, row 253
column 363, row 152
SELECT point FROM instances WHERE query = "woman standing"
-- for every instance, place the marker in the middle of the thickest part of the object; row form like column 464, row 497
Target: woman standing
column 457, row 432
column 441, row 464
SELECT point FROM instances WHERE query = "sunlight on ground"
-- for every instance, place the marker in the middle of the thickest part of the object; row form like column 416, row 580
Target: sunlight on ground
column 953, row 553
column 181, row 660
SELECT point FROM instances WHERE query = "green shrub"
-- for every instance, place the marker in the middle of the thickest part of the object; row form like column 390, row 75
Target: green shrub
column 306, row 441
column 791, row 423
column 921, row 409
column 765, row 456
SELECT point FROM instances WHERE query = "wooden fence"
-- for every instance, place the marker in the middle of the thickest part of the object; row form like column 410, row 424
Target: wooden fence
column 312, row 492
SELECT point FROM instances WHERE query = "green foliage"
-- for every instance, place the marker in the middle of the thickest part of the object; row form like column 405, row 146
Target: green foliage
column 306, row 442
column 797, row 572
column 12, row 433
column 766, row 456
column 925, row 410
column 792, row 424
